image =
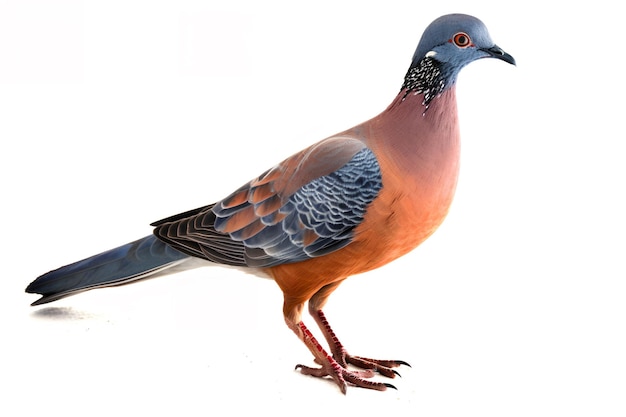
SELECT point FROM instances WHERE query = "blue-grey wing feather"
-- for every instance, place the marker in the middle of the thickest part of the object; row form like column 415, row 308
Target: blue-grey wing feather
column 262, row 225
column 330, row 206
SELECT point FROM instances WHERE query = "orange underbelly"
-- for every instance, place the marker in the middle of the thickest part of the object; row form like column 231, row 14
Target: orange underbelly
column 395, row 223
column 399, row 222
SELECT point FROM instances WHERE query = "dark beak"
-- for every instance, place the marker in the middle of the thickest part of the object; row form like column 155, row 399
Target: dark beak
column 496, row 52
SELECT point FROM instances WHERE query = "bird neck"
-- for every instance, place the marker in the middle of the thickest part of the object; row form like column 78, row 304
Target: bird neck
column 413, row 120
column 427, row 77
column 423, row 142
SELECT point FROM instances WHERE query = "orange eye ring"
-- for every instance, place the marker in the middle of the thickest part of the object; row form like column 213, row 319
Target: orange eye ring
column 462, row 40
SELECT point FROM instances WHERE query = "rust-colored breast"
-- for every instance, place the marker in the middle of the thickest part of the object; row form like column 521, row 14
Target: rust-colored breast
column 419, row 158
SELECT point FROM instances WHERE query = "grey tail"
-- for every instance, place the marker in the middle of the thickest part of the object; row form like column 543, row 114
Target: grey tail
column 128, row 263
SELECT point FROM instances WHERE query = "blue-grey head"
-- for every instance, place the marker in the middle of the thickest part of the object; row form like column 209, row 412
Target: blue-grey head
column 448, row 44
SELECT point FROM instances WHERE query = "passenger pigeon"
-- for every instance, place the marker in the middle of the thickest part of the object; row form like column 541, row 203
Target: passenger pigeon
column 346, row 205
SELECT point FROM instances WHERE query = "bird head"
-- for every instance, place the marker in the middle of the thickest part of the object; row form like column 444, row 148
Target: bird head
column 455, row 40
column 448, row 44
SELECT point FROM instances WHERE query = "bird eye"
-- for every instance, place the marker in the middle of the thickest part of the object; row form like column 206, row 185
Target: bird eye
column 462, row 40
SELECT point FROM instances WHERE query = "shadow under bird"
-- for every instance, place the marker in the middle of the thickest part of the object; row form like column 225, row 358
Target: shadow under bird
column 345, row 205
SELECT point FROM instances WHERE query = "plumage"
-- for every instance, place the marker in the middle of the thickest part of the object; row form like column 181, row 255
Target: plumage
column 130, row 262
column 348, row 204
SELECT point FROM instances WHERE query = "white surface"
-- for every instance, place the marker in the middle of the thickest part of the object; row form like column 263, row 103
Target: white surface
column 115, row 114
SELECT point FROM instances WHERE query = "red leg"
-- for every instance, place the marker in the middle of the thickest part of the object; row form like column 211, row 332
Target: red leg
column 342, row 357
column 330, row 367
column 335, row 365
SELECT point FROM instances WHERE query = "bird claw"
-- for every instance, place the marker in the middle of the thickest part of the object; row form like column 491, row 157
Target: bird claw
column 383, row 367
column 337, row 369
column 335, row 365
column 342, row 376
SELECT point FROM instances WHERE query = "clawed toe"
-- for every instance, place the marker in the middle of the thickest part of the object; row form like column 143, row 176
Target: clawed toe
column 383, row 367
column 342, row 376
column 339, row 365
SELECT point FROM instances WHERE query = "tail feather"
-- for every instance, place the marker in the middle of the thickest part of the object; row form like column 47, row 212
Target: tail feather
column 122, row 265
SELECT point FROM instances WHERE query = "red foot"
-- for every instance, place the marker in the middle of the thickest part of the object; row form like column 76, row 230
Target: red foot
column 336, row 366
column 342, row 376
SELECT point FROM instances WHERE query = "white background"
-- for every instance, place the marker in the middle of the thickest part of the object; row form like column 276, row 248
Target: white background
column 115, row 114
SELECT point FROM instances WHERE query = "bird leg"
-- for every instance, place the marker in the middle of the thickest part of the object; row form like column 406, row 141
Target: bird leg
column 335, row 364
column 330, row 367
column 343, row 358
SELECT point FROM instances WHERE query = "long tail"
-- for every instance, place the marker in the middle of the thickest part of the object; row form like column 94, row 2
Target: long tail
column 128, row 263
